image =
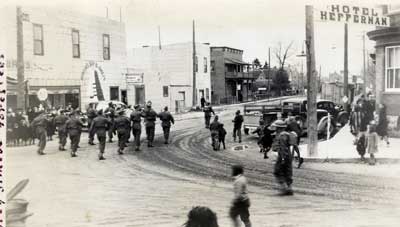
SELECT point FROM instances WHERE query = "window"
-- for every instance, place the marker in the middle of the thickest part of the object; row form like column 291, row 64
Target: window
column 106, row 47
column 165, row 91
column 196, row 64
column 392, row 68
column 212, row 66
column 114, row 93
column 207, row 94
column 38, row 39
column 205, row 64
column 76, row 52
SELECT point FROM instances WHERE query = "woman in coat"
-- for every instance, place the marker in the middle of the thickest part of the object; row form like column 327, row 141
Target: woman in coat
column 382, row 128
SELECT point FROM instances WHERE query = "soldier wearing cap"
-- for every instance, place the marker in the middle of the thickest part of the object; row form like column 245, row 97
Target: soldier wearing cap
column 100, row 126
column 91, row 114
column 136, row 126
column 110, row 113
column 166, row 120
column 60, row 121
column 283, row 167
column 74, row 127
column 207, row 114
column 39, row 126
column 122, row 126
column 237, row 126
column 150, row 118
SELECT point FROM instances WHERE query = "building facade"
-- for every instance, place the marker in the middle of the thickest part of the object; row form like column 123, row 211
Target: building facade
column 231, row 77
column 168, row 74
column 387, row 56
column 76, row 58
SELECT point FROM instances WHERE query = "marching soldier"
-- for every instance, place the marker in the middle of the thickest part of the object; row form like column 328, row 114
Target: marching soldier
column 207, row 114
column 122, row 126
column 166, row 120
column 150, row 117
column 100, row 126
column 74, row 127
column 136, row 126
column 60, row 121
column 91, row 114
column 283, row 167
column 110, row 113
column 39, row 125
column 237, row 126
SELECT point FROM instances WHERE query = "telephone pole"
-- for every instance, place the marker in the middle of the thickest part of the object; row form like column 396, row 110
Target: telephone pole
column 311, row 85
column 346, row 63
column 364, row 71
column 194, row 67
column 269, row 72
column 20, row 61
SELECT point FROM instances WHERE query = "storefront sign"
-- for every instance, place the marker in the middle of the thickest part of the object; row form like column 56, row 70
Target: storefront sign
column 96, row 66
column 134, row 78
column 353, row 14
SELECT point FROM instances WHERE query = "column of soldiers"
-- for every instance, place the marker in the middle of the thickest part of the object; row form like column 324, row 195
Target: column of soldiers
column 103, row 124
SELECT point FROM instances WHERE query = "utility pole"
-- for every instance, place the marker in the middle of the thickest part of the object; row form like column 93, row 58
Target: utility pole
column 159, row 38
column 194, row 67
column 20, row 61
column 364, row 71
column 269, row 72
column 346, row 66
column 311, row 85
column 319, row 79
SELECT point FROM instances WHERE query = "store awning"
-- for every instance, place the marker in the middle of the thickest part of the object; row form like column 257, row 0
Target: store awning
column 235, row 61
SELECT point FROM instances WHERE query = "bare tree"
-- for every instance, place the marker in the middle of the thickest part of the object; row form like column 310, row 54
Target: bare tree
column 283, row 53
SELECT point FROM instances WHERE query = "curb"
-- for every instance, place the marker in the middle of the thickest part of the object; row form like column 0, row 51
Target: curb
column 351, row 160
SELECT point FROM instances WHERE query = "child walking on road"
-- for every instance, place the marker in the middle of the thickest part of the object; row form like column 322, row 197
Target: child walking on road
column 241, row 202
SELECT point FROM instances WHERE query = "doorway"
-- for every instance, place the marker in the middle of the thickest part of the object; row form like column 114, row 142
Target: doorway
column 139, row 95
column 124, row 97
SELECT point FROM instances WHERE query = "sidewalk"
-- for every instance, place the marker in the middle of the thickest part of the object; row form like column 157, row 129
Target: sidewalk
column 341, row 149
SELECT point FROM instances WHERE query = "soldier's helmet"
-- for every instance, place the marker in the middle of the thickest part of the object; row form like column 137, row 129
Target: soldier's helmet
column 278, row 124
column 238, row 112
column 137, row 106
column 149, row 104
column 166, row 108
column 100, row 112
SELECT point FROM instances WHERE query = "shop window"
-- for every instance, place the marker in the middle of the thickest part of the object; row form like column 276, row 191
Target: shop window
column 207, row 94
column 205, row 64
column 38, row 39
column 76, row 52
column 106, row 47
column 212, row 66
column 165, row 91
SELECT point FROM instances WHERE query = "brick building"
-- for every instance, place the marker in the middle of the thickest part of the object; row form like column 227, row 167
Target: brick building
column 387, row 50
column 231, row 77
column 77, row 58
column 168, row 74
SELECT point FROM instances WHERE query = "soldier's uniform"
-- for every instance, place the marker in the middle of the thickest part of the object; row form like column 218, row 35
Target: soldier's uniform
column 214, row 128
column 74, row 128
column 136, row 126
column 100, row 125
column 110, row 113
column 122, row 126
column 166, row 120
column 150, row 118
column 91, row 114
column 207, row 114
column 60, row 121
column 39, row 125
column 283, row 170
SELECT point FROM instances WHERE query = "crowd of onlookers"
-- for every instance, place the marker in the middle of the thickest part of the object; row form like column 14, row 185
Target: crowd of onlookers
column 19, row 130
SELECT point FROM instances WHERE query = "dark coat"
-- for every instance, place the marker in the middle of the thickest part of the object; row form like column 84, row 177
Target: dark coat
column 166, row 119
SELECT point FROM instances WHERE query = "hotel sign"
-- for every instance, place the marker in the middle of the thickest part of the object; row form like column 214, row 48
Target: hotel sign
column 353, row 14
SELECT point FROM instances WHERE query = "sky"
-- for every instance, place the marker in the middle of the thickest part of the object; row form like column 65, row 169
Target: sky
column 250, row 25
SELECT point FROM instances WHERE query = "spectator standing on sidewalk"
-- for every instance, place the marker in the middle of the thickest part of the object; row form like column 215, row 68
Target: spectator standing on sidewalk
column 382, row 127
column 207, row 114
column 241, row 202
column 201, row 217
column 136, row 126
column 202, row 102
column 166, row 120
column 237, row 126
column 283, row 170
column 100, row 126
column 372, row 142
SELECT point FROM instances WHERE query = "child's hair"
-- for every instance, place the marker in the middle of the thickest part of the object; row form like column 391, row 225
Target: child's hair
column 201, row 217
column 237, row 170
